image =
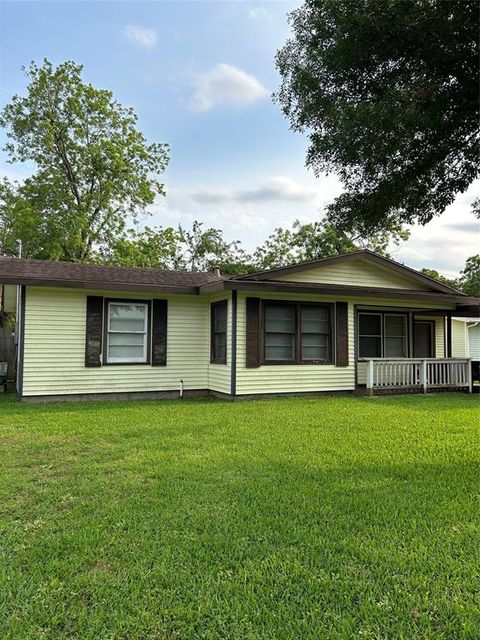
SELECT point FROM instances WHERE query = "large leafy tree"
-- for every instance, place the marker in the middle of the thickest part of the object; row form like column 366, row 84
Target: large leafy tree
column 186, row 248
column 321, row 239
column 94, row 169
column 469, row 280
column 387, row 91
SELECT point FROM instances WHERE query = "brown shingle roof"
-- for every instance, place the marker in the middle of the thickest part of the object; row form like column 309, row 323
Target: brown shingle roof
column 17, row 270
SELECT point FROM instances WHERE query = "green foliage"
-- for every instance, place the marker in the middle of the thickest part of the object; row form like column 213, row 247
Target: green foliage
column 470, row 276
column 301, row 518
column 204, row 249
column 154, row 248
column 388, row 94
column 433, row 273
column 194, row 249
column 93, row 168
column 321, row 240
column 469, row 280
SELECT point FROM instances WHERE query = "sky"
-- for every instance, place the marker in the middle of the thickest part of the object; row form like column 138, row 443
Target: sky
column 200, row 76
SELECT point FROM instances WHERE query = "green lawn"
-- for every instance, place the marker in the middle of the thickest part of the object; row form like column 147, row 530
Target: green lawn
column 298, row 519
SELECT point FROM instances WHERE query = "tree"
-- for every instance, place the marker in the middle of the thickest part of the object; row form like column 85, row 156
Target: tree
column 469, row 280
column 321, row 240
column 204, row 249
column 388, row 93
column 433, row 273
column 190, row 249
column 152, row 248
column 94, row 168
column 470, row 276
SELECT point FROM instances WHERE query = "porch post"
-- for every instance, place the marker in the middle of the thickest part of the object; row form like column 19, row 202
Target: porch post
column 410, row 334
column 469, row 375
column 449, row 335
column 370, row 378
column 423, row 375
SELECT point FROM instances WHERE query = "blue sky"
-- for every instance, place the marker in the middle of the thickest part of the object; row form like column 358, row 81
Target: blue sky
column 200, row 75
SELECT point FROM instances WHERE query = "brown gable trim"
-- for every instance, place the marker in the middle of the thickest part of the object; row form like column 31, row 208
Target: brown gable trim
column 355, row 255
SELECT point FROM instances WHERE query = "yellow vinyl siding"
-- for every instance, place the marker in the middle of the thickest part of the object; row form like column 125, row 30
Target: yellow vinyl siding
column 290, row 378
column 301, row 378
column 474, row 341
column 219, row 374
column 459, row 339
column 55, row 346
column 357, row 272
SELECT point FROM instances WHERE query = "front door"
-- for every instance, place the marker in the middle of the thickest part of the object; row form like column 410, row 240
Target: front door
column 423, row 339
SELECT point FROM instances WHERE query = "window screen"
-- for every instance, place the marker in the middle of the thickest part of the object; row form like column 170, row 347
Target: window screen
column 127, row 332
column 370, row 335
column 219, row 332
column 315, row 333
column 280, row 333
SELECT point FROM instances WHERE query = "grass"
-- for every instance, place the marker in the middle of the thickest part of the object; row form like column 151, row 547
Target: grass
column 298, row 519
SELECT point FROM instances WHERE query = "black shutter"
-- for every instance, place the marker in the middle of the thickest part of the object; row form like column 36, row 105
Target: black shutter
column 159, row 333
column 341, row 333
column 253, row 332
column 93, row 339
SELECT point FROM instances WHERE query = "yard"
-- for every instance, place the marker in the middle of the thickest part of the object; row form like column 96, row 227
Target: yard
column 298, row 519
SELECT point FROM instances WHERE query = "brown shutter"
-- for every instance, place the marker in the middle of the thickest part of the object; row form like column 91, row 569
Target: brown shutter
column 159, row 333
column 94, row 324
column 341, row 333
column 253, row 332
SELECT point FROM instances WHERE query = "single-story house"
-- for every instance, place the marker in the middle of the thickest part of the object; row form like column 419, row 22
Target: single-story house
column 331, row 325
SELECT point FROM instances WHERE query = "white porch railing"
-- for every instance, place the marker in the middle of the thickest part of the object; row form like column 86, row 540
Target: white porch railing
column 421, row 373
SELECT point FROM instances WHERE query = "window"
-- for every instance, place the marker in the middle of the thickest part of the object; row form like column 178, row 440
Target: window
column 315, row 333
column 370, row 335
column 296, row 333
column 280, row 332
column 395, row 336
column 382, row 335
column 218, row 338
column 127, row 332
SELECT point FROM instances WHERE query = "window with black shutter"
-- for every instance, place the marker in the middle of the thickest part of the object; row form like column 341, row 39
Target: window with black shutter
column 297, row 333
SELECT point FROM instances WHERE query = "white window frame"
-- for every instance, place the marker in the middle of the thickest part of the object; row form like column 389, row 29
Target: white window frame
column 127, row 360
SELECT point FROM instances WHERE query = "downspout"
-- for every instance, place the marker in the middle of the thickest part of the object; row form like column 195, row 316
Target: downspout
column 233, row 363
column 18, row 325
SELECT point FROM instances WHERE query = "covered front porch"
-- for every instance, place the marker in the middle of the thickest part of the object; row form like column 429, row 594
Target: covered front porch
column 409, row 350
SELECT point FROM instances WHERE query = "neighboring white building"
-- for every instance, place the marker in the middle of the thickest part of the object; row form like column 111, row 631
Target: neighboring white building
column 466, row 338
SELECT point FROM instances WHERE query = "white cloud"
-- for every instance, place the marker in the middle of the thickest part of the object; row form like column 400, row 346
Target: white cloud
column 445, row 242
column 141, row 36
column 258, row 12
column 273, row 189
column 224, row 84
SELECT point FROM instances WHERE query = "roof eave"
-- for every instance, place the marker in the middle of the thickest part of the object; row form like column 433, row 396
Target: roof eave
column 105, row 285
